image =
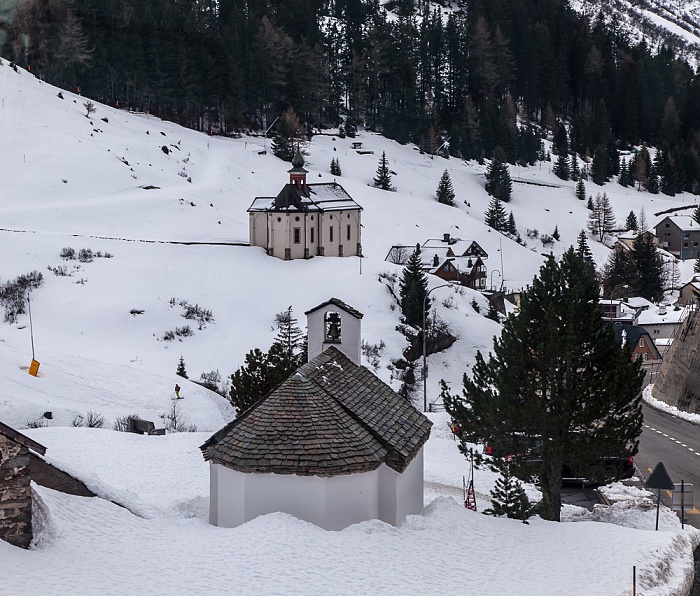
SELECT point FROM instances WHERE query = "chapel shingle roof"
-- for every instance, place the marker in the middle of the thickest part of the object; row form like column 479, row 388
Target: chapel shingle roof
column 329, row 418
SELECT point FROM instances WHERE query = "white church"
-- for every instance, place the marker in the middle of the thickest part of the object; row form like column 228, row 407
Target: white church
column 332, row 444
column 306, row 220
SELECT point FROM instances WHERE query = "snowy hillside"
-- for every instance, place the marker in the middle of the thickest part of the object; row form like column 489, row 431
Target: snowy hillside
column 674, row 23
column 168, row 207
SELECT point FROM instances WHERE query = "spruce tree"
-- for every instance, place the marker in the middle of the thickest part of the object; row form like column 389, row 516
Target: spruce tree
column 261, row 373
column 558, row 377
column 599, row 167
column 555, row 234
column 508, row 496
column 580, row 190
column 335, row 167
column 498, row 182
column 631, row 221
column 445, row 192
column 620, row 276
column 290, row 337
column 383, row 178
column 562, row 169
column 181, row 369
column 589, row 204
column 510, row 227
column 413, row 288
column 583, row 251
column 495, row 215
column 650, row 266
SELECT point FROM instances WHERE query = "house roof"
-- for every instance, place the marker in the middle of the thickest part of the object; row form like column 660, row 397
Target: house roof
column 684, row 222
column 322, row 196
column 632, row 335
column 667, row 315
column 331, row 417
column 18, row 437
column 340, row 304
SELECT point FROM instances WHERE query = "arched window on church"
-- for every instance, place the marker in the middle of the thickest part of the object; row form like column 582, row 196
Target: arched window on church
column 332, row 327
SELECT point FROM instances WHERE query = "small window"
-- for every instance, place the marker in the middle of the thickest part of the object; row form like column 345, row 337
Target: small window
column 348, row 216
column 279, row 219
column 685, row 245
column 330, row 233
column 311, row 235
column 297, row 218
column 641, row 342
column 667, row 226
column 297, row 235
column 645, row 356
column 657, row 331
column 349, row 232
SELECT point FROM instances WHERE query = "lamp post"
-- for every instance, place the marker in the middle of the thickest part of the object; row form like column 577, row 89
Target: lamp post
column 425, row 355
column 499, row 275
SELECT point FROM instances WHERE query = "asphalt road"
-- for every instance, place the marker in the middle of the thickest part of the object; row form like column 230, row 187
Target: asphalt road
column 676, row 443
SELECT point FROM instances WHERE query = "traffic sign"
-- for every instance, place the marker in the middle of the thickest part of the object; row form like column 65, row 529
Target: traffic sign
column 682, row 496
column 660, row 479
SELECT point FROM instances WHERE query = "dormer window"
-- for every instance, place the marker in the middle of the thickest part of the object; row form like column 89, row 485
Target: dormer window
column 332, row 327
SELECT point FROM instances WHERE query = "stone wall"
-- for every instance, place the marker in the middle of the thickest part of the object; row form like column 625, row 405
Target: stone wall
column 678, row 383
column 15, row 494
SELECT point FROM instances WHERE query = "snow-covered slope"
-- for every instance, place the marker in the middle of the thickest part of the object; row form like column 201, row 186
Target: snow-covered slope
column 174, row 224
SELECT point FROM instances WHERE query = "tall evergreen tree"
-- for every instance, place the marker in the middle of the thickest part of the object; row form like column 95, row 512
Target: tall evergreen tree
column 555, row 234
column 445, row 192
column 290, row 337
column 562, row 169
column 383, row 178
column 498, row 182
column 335, row 167
column 510, row 226
column 620, row 275
column 558, row 377
column 413, row 289
column 650, row 266
column 580, row 190
column 583, row 251
column 495, row 216
column 631, row 221
column 181, row 372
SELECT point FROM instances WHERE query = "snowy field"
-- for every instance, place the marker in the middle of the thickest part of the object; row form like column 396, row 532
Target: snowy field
column 106, row 184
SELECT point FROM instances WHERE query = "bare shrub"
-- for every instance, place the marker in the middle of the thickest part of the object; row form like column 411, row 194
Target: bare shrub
column 185, row 331
column 373, row 352
column 399, row 255
column 169, row 336
column 85, row 255
column 60, row 270
column 68, row 253
column 122, row 423
column 199, row 314
column 13, row 294
column 35, row 424
column 176, row 422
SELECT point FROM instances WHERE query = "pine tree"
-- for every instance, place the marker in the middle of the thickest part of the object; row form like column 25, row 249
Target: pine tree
column 335, row 167
column 555, row 234
column 583, row 251
column 495, row 216
column 510, row 227
column 562, row 169
column 650, row 266
column 413, row 289
column 589, row 204
column 445, row 192
column 557, row 375
column 620, row 276
column 599, row 167
column 580, row 190
column 290, row 337
column 631, row 221
column 508, row 496
column 181, row 368
column 383, row 178
column 261, row 373
column 498, row 182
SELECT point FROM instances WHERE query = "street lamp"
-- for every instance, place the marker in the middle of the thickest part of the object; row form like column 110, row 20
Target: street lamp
column 499, row 275
column 425, row 355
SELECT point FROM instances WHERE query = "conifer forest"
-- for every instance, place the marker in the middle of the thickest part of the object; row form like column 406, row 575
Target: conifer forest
column 484, row 74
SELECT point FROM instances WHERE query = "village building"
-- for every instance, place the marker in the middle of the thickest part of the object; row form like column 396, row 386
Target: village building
column 643, row 347
column 662, row 323
column 332, row 444
column 624, row 241
column 690, row 292
column 306, row 220
column 15, row 488
column 679, row 235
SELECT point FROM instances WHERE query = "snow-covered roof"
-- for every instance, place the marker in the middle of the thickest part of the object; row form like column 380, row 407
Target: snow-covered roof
column 662, row 316
column 685, row 222
column 322, row 196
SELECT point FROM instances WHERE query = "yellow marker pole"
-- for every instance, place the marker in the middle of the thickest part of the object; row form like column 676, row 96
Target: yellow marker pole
column 34, row 368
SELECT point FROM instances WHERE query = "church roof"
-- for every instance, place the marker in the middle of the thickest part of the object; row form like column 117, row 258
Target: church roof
column 331, row 417
column 340, row 304
column 322, row 196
